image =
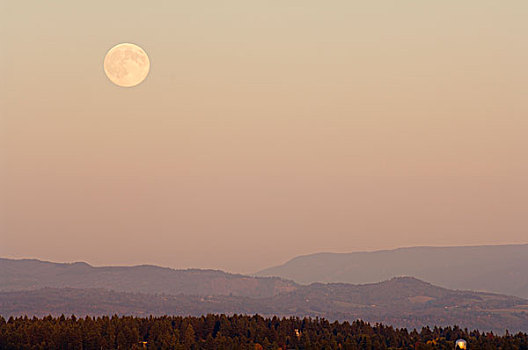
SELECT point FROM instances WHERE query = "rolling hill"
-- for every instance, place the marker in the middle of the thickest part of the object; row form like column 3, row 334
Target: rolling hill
column 401, row 302
column 33, row 287
column 499, row 269
column 30, row 274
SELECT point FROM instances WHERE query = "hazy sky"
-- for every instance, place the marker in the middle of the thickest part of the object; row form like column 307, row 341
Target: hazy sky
column 265, row 130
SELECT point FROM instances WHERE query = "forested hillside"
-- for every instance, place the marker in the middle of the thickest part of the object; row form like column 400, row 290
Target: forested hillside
column 401, row 302
column 32, row 287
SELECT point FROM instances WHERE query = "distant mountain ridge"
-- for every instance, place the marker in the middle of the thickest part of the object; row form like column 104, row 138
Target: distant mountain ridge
column 33, row 287
column 30, row 274
column 500, row 268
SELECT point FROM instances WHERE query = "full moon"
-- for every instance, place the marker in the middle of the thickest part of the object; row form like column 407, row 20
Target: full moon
column 126, row 65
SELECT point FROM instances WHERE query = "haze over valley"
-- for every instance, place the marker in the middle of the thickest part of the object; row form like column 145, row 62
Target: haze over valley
column 33, row 287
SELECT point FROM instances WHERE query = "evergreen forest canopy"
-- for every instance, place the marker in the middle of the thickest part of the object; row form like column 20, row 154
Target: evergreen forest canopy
column 234, row 332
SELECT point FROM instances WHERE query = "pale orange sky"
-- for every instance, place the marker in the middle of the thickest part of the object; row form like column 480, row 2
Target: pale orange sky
column 265, row 130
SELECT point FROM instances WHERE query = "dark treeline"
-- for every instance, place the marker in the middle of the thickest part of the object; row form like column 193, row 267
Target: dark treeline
column 233, row 332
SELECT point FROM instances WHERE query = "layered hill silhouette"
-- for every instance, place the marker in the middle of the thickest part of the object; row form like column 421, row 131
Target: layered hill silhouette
column 32, row 287
column 30, row 274
column 499, row 269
